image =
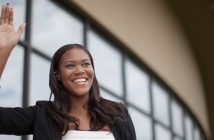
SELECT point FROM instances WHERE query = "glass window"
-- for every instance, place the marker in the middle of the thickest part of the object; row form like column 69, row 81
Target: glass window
column 109, row 96
column 107, row 63
column 19, row 12
column 137, row 84
column 188, row 128
column 142, row 124
column 39, row 80
column 177, row 118
column 160, row 103
column 11, row 80
column 177, row 138
column 52, row 27
column 196, row 134
column 11, row 83
column 162, row 133
column 7, row 137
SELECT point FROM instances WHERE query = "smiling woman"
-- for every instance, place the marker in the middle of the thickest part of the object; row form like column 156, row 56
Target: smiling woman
column 76, row 71
column 77, row 107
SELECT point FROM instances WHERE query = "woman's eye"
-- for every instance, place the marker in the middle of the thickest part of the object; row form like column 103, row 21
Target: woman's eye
column 86, row 64
column 69, row 66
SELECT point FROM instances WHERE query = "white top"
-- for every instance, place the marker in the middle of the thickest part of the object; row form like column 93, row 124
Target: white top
column 88, row 135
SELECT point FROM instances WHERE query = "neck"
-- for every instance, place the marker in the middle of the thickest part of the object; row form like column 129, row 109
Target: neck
column 79, row 106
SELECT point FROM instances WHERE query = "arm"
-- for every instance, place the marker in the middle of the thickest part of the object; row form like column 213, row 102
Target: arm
column 8, row 37
column 17, row 121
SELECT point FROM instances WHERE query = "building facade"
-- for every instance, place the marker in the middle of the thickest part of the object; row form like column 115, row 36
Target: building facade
column 141, row 59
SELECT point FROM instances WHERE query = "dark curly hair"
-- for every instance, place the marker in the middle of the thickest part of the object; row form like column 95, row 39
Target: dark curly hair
column 102, row 111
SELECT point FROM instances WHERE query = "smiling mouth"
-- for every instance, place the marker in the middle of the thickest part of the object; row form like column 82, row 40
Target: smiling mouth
column 80, row 81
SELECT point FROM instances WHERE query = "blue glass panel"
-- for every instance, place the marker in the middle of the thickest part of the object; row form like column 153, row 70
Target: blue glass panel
column 52, row 27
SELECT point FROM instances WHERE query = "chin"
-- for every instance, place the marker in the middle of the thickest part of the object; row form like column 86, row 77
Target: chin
column 80, row 94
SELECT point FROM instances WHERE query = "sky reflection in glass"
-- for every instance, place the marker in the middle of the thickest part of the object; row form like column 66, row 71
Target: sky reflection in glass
column 52, row 27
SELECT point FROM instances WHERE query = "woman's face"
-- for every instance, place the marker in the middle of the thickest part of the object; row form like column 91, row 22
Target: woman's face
column 76, row 72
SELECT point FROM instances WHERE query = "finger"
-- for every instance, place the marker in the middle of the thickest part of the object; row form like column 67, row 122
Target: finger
column 11, row 16
column 7, row 14
column 21, row 29
column 2, row 14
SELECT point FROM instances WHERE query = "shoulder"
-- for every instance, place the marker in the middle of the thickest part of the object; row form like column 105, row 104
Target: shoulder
column 43, row 108
column 43, row 103
column 113, row 103
column 117, row 108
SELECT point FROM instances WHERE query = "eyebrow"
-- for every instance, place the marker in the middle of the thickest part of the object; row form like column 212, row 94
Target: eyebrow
column 74, row 61
column 85, row 60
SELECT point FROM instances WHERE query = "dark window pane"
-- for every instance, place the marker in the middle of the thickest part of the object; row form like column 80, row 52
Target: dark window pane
column 177, row 118
column 137, row 84
column 162, row 133
column 177, row 138
column 11, row 83
column 196, row 133
column 109, row 96
column 53, row 27
column 11, row 80
column 39, row 79
column 188, row 128
column 160, row 103
column 107, row 63
column 142, row 124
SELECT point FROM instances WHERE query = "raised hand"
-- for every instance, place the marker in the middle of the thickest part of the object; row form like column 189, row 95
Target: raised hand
column 8, row 36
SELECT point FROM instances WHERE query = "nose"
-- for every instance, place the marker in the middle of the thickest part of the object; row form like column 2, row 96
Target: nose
column 79, row 70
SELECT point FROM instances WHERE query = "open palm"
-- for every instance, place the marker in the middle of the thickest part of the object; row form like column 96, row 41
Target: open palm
column 8, row 36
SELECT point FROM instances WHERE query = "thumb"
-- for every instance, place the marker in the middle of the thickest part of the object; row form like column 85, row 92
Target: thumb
column 21, row 29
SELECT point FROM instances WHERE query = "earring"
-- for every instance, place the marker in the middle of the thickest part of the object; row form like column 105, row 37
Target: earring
column 57, row 76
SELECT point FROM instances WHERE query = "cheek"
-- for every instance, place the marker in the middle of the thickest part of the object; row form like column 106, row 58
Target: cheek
column 65, row 77
column 92, row 74
column 62, row 76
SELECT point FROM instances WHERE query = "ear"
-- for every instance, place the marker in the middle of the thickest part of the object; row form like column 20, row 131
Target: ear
column 57, row 76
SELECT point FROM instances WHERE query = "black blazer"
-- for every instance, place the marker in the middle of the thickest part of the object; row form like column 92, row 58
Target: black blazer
column 34, row 120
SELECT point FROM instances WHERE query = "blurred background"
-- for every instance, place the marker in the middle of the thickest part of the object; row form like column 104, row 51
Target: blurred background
column 155, row 56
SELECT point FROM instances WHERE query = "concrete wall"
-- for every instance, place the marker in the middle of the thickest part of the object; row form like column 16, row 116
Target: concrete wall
column 152, row 32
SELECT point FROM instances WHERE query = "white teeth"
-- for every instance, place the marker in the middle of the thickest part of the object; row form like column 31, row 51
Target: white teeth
column 81, row 80
column 80, row 83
